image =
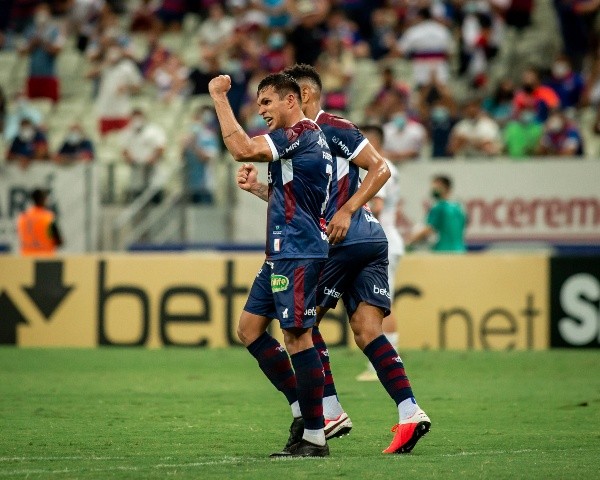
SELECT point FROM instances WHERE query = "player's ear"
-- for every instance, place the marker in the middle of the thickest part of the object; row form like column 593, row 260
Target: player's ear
column 291, row 100
column 305, row 93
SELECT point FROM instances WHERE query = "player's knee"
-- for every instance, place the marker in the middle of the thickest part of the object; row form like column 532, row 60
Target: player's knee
column 365, row 328
column 247, row 332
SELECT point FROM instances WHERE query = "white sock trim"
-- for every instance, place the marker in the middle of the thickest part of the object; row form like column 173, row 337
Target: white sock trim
column 332, row 407
column 296, row 409
column 314, row 436
column 407, row 408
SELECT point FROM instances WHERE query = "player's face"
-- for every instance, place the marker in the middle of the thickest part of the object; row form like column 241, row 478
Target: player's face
column 272, row 108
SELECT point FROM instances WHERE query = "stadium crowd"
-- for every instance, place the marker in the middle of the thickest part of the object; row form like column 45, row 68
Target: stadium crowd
column 435, row 86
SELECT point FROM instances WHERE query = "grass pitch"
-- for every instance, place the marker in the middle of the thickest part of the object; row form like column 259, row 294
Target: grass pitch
column 183, row 413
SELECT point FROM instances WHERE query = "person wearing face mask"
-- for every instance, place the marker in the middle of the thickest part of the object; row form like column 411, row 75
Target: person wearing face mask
column 119, row 77
column 446, row 218
column 43, row 42
column 76, row 147
column 30, row 144
column 561, row 137
column 201, row 148
column 522, row 135
column 143, row 147
column 476, row 135
column 20, row 109
column 535, row 95
column 404, row 137
column 566, row 83
column 440, row 121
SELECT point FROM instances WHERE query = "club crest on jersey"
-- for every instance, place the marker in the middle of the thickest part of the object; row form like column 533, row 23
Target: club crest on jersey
column 322, row 142
column 279, row 283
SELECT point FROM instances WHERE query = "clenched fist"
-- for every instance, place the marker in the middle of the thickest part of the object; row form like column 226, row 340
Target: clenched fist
column 247, row 176
column 219, row 85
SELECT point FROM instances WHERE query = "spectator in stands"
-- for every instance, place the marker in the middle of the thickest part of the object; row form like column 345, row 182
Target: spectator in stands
column 499, row 106
column 561, row 137
column 119, row 78
column 476, row 135
column 22, row 109
column 217, row 28
column 171, row 79
column 390, row 92
column 276, row 54
column 171, row 13
column 566, row 83
column 404, row 137
column 522, row 135
column 335, row 66
column 209, row 67
column 30, row 144
column 76, row 147
column 535, row 95
column 143, row 18
column 480, row 43
column 277, row 12
column 427, row 44
column 307, row 35
column 109, row 33
column 3, row 110
column 43, row 42
column 576, row 20
column 382, row 40
column 440, row 121
column 85, row 17
column 201, row 148
column 143, row 147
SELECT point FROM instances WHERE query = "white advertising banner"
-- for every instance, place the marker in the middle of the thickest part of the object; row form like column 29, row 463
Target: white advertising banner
column 555, row 201
column 74, row 197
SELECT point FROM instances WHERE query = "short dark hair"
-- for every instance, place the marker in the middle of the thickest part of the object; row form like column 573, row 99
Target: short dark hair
column 39, row 196
column 281, row 83
column 444, row 180
column 372, row 128
column 303, row 71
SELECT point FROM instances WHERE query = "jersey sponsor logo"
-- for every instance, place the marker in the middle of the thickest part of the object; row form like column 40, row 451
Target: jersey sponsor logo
column 371, row 218
column 327, row 156
column 380, row 291
column 284, row 314
column 310, row 312
column 291, row 147
column 332, row 292
column 279, row 283
column 343, row 147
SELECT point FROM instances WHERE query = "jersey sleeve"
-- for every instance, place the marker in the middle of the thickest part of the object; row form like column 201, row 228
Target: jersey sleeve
column 348, row 143
column 280, row 144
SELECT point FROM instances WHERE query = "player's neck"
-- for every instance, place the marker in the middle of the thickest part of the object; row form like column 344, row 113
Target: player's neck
column 312, row 109
column 294, row 118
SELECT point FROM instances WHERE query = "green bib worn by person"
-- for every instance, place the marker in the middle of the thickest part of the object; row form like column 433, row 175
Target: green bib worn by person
column 446, row 218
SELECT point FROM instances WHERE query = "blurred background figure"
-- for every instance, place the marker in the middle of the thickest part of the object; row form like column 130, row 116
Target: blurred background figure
column 118, row 77
column 43, row 42
column 21, row 109
column 143, row 147
column 522, row 135
column 37, row 229
column 446, row 218
column 76, row 147
column 476, row 135
column 29, row 145
column 200, row 150
column 404, row 138
column 384, row 207
column 561, row 137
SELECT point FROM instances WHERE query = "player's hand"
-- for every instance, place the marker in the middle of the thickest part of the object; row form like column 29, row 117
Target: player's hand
column 247, row 176
column 219, row 85
column 338, row 226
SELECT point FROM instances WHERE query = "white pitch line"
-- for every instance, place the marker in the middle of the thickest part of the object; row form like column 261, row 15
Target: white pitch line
column 492, row 452
column 42, row 459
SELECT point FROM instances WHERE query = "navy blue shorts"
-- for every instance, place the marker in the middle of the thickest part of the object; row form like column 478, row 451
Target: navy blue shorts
column 286, row 290
column 356, row 273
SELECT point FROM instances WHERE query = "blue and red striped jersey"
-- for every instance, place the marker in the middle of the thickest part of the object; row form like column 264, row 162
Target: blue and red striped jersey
column 299, row 178
column 346, row 142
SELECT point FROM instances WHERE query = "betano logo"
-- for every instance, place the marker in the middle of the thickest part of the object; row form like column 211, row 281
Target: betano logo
column 279, row 283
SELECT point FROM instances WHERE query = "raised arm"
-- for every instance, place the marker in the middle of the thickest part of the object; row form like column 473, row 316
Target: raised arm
column 240, row 145
column 377, row 174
